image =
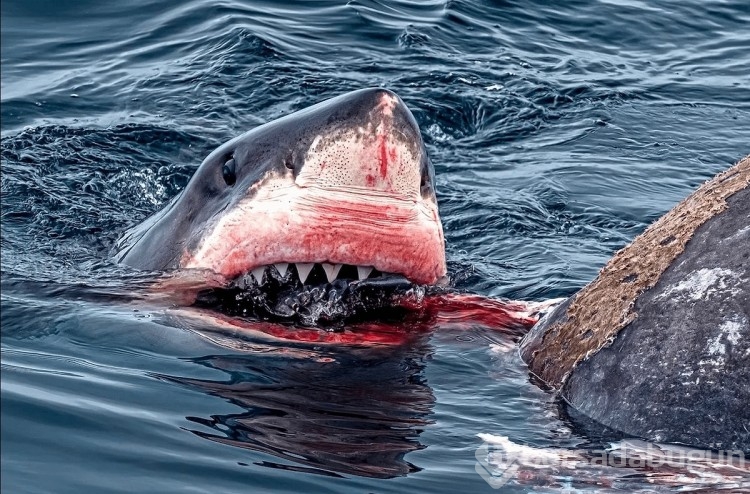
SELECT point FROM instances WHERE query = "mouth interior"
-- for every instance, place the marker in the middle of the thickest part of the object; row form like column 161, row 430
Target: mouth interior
column 313, row 294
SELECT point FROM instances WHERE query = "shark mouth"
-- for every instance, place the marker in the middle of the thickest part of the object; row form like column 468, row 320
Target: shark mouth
column 314, row 294
column 356, row 252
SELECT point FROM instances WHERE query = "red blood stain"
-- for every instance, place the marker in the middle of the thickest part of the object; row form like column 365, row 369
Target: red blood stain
column 367, row 334
column 398, row 247
column 471, row 310
column 384, row 234
column 370, row 180
column 383, row 148
column 449, row 311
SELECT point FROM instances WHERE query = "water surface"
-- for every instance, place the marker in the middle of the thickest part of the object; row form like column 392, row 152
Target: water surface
column 558, row 132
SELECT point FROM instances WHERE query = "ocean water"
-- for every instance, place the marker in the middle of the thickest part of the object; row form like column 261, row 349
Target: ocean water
column 558, row 131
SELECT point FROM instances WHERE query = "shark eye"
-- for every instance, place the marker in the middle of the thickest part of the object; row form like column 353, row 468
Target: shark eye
column 229, row 172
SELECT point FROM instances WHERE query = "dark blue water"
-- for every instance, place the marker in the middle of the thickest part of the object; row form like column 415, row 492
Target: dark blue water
column 558, row 132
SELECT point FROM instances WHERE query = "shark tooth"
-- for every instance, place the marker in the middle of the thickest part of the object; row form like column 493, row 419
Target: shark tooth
column 332, row 270
column 364, row 271
column 281, row 267
column 246, row 281
column 303, row 270
column 258, row 274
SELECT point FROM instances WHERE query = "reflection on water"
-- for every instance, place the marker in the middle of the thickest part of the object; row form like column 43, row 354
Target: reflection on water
column 352, row 411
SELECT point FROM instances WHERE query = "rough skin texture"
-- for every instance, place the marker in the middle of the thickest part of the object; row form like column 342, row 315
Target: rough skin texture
column 604, row 307
column 680, row 372
column 658, row 346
